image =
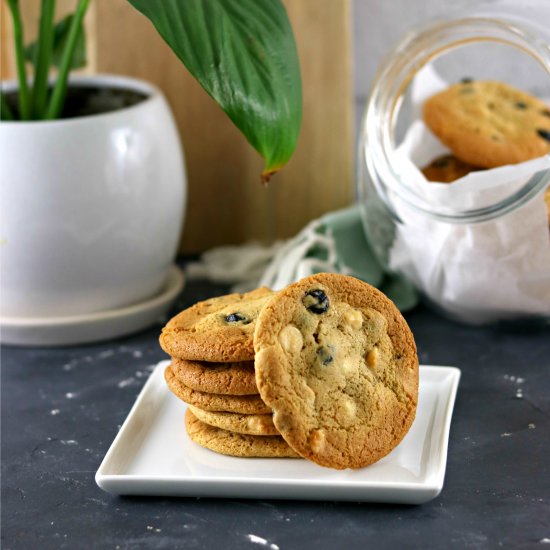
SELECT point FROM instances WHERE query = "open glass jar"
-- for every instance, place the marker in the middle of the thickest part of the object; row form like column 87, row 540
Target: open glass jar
column 478, row 249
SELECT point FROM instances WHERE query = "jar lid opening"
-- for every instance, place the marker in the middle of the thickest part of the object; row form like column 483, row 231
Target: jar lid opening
column 415, row 52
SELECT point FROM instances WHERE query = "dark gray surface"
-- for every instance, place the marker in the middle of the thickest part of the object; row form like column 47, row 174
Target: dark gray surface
column 61, row 409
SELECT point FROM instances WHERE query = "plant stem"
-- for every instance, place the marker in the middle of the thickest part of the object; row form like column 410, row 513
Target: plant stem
column 60, row 88
column 24, row 97
column 5, row 112
column 43, row 58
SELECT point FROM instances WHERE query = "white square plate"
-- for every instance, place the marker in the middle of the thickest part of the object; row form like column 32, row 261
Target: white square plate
column 152, row 455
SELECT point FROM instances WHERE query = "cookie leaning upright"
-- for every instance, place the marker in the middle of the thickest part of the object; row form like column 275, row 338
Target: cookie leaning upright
column 220, row 329
column 489, row 123
column 337, row 363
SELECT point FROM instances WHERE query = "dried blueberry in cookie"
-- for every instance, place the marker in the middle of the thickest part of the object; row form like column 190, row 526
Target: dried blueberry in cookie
column 237, row 318
column 325, row 355
column 316, row 301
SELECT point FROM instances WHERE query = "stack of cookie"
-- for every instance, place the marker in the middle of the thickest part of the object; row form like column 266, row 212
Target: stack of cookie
column 325, row 369
column 212, row 370
column 485, row 124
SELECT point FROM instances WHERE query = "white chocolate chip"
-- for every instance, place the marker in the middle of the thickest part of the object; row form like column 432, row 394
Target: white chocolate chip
column 347, row 410
column 317, row 440
column 291, row 339
column 348, row 365
column 354, row 319
column 372, row 358
column 254, row 423
column 309, row 394
column 349, row 406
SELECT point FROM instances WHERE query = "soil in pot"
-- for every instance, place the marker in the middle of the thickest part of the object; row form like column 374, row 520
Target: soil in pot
column 90, row 100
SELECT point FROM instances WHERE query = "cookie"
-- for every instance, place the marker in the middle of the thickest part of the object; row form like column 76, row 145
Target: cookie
column 251, row 424
column 234, row 444
column 447, row 168
column 337, row 363
column 223, row 378
column 244, row 404
column 489, row 124
column 219, row 330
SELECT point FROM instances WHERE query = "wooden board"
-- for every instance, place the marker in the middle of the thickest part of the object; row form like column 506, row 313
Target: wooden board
column 226, row 202
column 30, row 14
column 7, row 63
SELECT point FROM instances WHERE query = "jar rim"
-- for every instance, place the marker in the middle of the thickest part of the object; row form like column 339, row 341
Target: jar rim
column 407, row 58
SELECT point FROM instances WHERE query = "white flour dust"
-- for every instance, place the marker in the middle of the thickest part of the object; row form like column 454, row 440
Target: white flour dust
column 126, row 382
column 260, row 540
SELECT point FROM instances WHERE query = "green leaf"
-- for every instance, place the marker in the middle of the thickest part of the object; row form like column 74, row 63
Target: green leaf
column 61, row 33
column 5, row 110
column 243, row 54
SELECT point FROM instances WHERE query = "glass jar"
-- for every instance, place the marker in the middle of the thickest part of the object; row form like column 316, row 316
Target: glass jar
column 477, row 250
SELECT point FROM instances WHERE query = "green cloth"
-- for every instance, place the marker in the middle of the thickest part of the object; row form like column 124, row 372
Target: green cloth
column 356, row 257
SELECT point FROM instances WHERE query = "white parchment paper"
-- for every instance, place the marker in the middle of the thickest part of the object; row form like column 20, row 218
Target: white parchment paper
column 477, row 272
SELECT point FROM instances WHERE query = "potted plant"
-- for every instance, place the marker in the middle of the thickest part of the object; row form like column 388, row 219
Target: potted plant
column 93, row 189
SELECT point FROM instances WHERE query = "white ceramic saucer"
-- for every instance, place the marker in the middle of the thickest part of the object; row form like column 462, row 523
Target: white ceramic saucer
column 103, row 325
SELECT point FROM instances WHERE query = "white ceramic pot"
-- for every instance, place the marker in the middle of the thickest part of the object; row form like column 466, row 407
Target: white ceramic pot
column 91, row 207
